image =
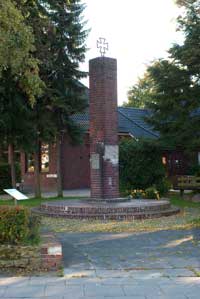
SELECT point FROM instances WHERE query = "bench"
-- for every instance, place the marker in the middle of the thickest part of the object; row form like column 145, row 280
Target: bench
column 187, row 182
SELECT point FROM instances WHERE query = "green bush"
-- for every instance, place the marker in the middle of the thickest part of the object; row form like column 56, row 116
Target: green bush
column 152, row 193
column 18, row 226
column 194, row 170
column 141, row 166
column 5, row 175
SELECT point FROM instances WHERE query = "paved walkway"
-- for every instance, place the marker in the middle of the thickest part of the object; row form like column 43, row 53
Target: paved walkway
column 161, row 265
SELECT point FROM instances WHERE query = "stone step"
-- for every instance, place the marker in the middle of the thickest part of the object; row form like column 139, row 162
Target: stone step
column 70, row 210
column 111, row 216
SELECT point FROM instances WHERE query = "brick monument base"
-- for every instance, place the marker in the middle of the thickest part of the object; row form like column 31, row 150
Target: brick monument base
column 88, row 209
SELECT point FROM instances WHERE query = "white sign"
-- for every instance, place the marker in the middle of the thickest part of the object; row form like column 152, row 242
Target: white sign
column 55, row 250
column 52, row 175
column 16, row 194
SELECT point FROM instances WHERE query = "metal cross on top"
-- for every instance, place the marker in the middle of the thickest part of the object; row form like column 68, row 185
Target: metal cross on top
column 102, row 45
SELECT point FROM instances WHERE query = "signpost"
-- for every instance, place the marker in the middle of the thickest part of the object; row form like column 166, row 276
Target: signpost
column 16, row 194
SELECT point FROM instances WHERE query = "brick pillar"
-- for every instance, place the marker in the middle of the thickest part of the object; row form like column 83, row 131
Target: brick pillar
column 103, row 128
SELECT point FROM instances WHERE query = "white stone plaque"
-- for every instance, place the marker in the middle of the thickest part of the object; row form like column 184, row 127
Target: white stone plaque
column 112, row 154
column 95, row 161
column 16, row 194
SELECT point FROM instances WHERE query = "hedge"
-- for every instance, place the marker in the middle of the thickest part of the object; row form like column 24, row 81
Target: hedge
column 18, row 226
column 141, row 166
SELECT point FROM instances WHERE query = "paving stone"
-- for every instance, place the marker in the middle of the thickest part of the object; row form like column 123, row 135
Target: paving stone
column 146, row 274
column 2, row 291
column 47, row 280
column 142, row 290
column 24, row 292
column 193, row 296
column 187, row 280
column 83, row 281
column 103, row 290
column 178, row 273
column 112, row 273
column 175, row 290
column 119, row 281
column 127, row 297
column 17, row 281
column 70, row 291
column 167, row 297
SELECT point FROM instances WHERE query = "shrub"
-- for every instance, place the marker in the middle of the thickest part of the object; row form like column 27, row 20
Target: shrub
column 149, row 193
column 18, row 226
column 137, row 194
column 152, row 193
column 141, row 166
column 194, row 170
column 34, row 229
column 5, row 176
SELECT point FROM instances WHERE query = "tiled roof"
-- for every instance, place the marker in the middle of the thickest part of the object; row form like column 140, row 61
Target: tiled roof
column 130, row 121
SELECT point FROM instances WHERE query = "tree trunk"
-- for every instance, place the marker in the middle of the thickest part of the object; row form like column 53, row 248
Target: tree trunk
column 59, row 168
column 37, row 185
column 11, row 161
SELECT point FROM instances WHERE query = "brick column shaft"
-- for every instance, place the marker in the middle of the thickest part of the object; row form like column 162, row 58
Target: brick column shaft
column 103, row 128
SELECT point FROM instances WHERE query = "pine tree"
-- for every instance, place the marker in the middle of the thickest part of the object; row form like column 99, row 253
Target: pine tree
column 59, row 41
column 68, row 49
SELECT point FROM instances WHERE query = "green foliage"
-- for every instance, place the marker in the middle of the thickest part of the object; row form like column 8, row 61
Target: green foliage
column 194, row 170
column 163, row 186
column 140, row 94
column 46, row 38
column 140, row 165
column 149, row 193
column 18, row 226
column 152, row 193
column 175, row 100
column 5, row 177
column 18, row 40
column 33, row 229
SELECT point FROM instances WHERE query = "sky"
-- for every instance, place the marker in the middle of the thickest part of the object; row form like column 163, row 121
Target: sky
column 138, row 31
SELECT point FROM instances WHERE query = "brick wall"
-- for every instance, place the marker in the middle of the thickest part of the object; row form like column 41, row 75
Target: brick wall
column 75, row 167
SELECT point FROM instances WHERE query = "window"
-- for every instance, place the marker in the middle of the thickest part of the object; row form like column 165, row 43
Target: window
column 164, row 160
column 44, row 160
column 30, row 163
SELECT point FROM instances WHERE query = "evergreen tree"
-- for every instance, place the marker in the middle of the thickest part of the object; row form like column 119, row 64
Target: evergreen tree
column 60, row 47
column 68, row 49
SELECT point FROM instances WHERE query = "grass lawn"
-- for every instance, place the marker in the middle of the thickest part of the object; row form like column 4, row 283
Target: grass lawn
column 34, row 202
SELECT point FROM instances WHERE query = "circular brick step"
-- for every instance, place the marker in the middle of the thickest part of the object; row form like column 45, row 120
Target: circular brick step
column 87, row 209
